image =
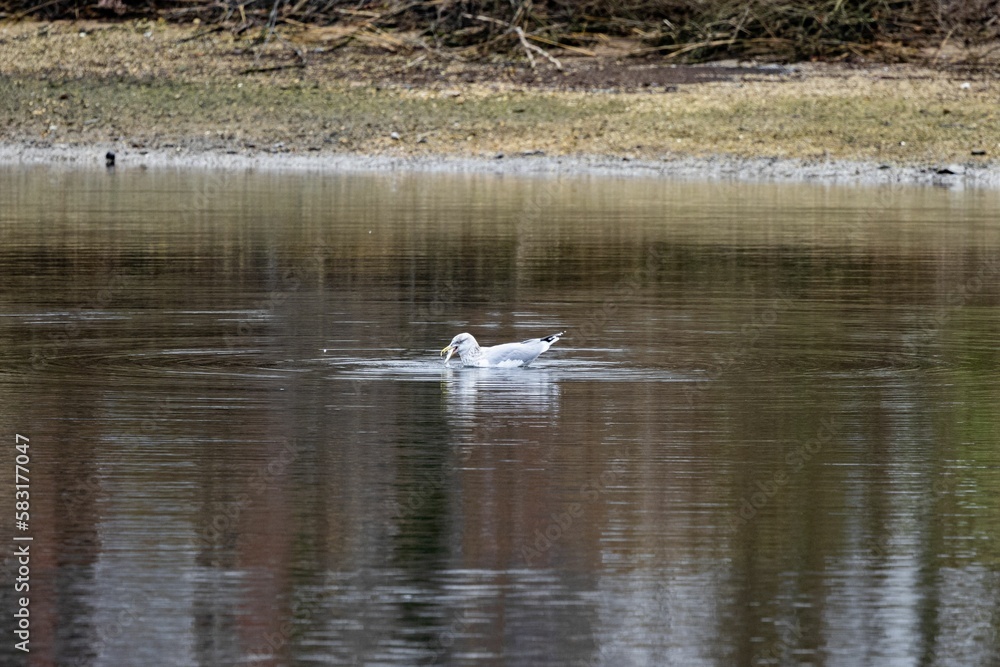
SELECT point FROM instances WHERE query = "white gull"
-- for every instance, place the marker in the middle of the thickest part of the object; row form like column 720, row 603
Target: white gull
column 508, row 355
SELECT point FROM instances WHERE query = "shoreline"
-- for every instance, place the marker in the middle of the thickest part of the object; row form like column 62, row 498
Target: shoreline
column 169, row 95
column 689, row 168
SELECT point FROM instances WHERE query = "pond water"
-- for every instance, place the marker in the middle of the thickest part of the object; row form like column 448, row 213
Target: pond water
column 770, row 435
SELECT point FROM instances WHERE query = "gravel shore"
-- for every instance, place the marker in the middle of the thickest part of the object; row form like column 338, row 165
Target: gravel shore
column 721, row 167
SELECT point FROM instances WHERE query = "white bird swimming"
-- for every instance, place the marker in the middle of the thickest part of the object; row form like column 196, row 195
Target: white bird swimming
column 508, row 355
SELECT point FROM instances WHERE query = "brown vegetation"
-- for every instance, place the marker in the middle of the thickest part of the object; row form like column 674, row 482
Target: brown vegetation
column 689, row 30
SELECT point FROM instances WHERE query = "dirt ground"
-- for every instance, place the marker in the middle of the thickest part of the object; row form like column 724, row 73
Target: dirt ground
column 152, row 86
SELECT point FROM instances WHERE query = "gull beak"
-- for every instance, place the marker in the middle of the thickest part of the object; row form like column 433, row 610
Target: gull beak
column 450, row 350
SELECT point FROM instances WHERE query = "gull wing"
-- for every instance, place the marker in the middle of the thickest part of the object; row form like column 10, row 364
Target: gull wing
column 518, row 354
column 513, row 354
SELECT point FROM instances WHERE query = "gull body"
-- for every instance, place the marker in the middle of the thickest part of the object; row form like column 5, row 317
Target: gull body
column 508, row 355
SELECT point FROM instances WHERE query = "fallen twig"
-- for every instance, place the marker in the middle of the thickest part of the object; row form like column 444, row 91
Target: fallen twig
column 528, row 45
column 575, row 49
column 357, row 12
column 681, row 48
column 486, row 19
column 515, row 29
column 273, row 68
column 29, row 10
column 199, row 35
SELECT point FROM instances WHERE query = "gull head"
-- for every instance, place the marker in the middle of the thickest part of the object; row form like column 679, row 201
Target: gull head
column 462, row 343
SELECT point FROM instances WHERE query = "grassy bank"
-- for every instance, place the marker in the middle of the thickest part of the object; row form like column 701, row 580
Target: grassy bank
column 142, row 85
